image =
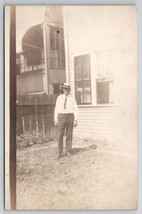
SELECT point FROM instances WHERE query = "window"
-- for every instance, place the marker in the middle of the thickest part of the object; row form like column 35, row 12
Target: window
column 27, row 65
column 56, row 88
column 82, row 79
column 105, row 91
column 104, row 80
column 57, row 52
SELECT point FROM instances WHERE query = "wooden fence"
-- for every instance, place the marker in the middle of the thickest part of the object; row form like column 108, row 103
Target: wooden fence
column 35, row 113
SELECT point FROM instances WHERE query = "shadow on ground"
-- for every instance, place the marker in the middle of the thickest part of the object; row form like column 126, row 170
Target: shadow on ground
column 78, row 149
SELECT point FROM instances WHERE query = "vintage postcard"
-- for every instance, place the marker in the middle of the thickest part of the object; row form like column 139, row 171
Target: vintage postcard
column 71, row 107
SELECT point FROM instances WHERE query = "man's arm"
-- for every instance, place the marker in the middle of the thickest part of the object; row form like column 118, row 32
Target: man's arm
column 56, row 112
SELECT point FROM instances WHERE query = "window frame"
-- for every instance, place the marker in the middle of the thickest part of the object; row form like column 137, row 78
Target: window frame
column 83, row 81
column 24, row 68
column 60, row 58
column 104, row 80
column 103, row 74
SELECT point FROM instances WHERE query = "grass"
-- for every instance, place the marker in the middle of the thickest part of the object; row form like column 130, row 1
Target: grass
column 92, row 178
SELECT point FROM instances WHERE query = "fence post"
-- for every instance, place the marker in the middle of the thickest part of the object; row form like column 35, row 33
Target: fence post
column 36, row 117
column 43, row 125
column 30, row 124
column 30, row 115
column 23, row 124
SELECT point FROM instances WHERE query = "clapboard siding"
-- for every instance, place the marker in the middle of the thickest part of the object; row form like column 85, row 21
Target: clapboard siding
column 100, row 31
column 95, row 30
column 98, row 123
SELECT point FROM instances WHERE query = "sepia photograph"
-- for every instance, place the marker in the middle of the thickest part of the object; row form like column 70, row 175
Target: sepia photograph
column 71, row 107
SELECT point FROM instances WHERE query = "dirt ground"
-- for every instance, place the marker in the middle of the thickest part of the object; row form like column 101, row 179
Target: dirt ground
column 98, row 175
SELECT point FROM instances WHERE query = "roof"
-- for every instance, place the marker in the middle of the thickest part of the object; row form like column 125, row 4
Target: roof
column 26, row 17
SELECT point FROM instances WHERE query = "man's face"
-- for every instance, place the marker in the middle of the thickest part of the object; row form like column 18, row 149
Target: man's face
column 66, row 91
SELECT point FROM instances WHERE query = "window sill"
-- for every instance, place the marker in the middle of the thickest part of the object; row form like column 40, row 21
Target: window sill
column 98, row 105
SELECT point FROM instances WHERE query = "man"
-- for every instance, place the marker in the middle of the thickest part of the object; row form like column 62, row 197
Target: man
column 65, row 117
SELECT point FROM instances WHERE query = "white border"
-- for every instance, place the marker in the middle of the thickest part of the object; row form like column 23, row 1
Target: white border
column 69, row 2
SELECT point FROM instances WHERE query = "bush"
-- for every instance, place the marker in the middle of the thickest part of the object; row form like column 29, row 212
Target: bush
column 29, row 139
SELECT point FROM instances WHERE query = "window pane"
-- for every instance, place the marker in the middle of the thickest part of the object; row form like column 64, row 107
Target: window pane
column 62, row 54
column 30, row 68
column 57, row 53
column 54, row 54
column 79, row 93
column 17, row 69
column 111, row 92
column 78, row 68
column 35, row 67
column 82, row 78
column 22, row 66
column 62, row 33
column 54, row 64
column 62, row 44
column 42, row 55
column 26, row 68
column 51, row 32
column 53, row 43
column 79, row 72
column 105, row 92
column 78, row 60
column 58, row 34
column 58, row 43
column 54, row 33
column 87, row 93
column 39, row 66
column 56, row 88
column 62, row 64
column 86, row 69
column 43, row 66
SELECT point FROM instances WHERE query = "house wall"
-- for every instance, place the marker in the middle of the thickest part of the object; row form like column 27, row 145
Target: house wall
column 110, row 31
column 31, row 82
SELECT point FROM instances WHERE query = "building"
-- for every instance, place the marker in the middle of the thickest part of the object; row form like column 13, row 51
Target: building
column 101, row 65
column 95, row 50
column 41, row 63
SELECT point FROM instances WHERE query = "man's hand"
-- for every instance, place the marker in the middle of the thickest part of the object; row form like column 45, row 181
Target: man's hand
column 56, row 123
column 75, row 123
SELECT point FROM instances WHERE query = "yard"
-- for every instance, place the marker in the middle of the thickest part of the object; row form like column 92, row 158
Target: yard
column 98, row 175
